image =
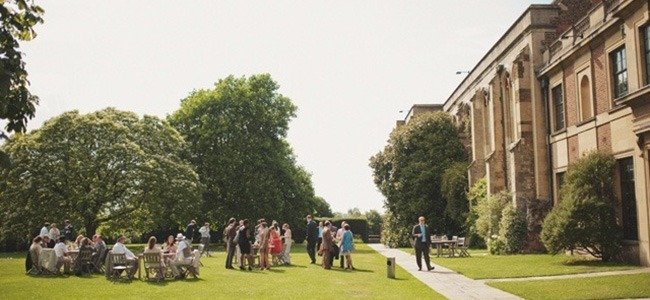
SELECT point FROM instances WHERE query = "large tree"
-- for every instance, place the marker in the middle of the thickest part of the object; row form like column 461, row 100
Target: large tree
column 409, row 170
column 17, row 104
column 237, row 137
column 107, row 168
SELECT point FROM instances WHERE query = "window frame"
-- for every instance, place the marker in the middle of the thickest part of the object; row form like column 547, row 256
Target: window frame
column 555, row 106
column 645, row 41
column 616, row 73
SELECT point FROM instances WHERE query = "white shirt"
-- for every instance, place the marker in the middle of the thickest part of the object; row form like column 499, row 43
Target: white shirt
column 60, row 249
column 179, row 251
column 44, row 231
column 119, row 248
column 205, row 232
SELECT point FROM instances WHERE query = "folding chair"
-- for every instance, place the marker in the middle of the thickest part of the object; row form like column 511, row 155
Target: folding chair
column 99, row 261
column 34, row 259
column 154, row 265
column 119, row 266
column 462, row 246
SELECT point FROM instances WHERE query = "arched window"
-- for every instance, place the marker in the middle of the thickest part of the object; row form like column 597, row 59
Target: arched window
column 586, row 110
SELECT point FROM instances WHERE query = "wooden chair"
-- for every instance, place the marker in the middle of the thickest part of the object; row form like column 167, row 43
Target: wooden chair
column 35, row 260
column 462, row 247
column 99, row 261
column 153, row 264
column 118, row 266
column 84, row 263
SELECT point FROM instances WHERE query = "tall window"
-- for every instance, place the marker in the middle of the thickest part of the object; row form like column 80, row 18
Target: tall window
column 558, row 107
column 619, row 69
column 585, row 98
column 559, row 177
column 628, row 199
column 645, row 35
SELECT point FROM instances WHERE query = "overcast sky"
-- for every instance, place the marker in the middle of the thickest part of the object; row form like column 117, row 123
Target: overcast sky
column 349, row 66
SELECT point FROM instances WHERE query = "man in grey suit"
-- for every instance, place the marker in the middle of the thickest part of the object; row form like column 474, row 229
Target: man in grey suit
column 421, row 234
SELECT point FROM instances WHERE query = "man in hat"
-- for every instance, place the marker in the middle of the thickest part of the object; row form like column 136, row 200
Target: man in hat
column 185, row 257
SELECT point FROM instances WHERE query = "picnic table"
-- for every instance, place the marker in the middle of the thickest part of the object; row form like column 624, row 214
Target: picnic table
column 439, row 243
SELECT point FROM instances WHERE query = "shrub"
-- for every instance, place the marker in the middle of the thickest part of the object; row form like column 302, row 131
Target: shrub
column 495, row 245
column 512, row 230
column 585, row 217
column 393, row 234
column 489, row 212
column 477, row 193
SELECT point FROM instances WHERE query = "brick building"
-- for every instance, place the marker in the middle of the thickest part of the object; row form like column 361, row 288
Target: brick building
column 566, row 78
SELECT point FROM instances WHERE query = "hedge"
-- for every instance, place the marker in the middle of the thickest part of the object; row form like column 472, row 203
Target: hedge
column 359, row 226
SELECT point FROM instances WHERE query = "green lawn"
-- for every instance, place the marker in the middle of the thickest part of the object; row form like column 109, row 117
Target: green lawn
column 301, row 280
column 483, row 265
column 606, row 287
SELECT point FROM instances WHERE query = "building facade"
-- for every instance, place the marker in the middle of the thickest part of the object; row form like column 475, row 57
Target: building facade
column 566, row 78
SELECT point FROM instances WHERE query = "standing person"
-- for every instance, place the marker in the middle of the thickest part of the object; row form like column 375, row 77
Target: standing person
column 55, row 233
column 45, row 230
column 68, row 231
column 320, row 234
column 422, row 243
column 189, row 231
column 244, row 242
column 229, row 234
column 339, row 239
column 326, row 247
column 288, row 241
column 312, row 237
column 205, row 238
column 347, row 246
column 265, row 234
column 275, row 242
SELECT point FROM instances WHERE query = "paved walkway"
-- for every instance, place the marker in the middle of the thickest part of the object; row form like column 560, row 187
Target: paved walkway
column 569, row 276
column 444, row 281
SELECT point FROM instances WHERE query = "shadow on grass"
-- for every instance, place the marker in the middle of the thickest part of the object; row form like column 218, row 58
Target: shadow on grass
column 594, row 263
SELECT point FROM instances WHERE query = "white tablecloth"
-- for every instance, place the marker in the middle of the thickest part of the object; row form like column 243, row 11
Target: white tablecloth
column 48, row 259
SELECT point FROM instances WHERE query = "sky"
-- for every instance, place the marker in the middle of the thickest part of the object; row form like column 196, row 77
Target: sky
column 349, row 66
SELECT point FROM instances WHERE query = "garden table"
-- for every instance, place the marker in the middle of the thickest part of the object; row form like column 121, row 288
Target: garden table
column 48, row 259
column 439, row 243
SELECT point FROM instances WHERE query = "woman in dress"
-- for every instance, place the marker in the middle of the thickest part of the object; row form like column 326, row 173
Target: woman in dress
column 265, row 234
column 244, row 243
column 275, row 242
column 287, row 243
column 169, row 248
column 347, row 246
column 326, row 247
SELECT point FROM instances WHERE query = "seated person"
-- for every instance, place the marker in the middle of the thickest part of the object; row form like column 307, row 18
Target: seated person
column 77, row 242
column 169, row 248
column 185, row 257
column 62, row 258
column 46, row 242
column 100, row 247
column 153, row 248
column 120, row 248
column 34, row 256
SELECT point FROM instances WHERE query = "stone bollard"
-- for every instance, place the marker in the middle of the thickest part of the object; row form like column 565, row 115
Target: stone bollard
column 390, row 267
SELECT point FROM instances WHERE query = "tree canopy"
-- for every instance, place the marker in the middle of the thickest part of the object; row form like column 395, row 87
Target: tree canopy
column 108, row 168
column 236, row 134
column 17, row 104
column 408, row 171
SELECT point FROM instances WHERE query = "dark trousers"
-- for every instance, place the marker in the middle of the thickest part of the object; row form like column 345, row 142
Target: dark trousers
column 342, row 261
column 230, row 248
column 311, row 250
column 420, row 250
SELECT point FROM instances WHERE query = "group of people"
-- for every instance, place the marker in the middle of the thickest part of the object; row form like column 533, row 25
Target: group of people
column 242, row 242
column 331, row 243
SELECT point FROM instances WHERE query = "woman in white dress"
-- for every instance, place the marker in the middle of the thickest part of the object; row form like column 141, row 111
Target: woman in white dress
column 287, row 243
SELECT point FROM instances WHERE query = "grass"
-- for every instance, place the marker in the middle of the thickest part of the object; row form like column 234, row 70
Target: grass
column 483, row 265
column 605, row 287
column 302, row 280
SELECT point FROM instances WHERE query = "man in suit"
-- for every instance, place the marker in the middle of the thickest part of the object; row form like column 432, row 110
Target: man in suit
column 421, row 234
column 229, row 235
column 312, row 238
column 189, row 232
